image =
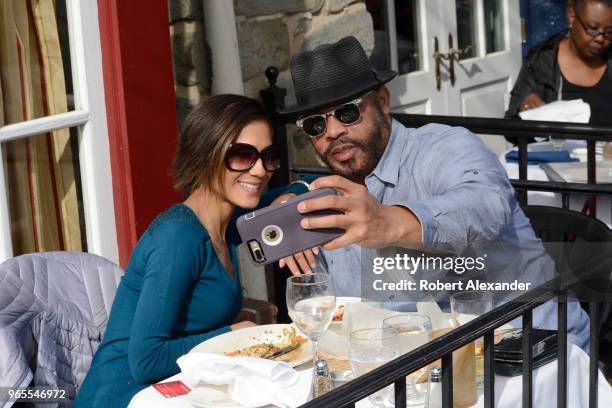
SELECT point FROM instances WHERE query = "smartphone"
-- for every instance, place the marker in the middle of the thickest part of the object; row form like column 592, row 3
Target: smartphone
column 510, row 348
column 274, row 232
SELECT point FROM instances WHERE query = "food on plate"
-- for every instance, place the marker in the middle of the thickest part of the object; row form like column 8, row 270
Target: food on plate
column 339, row 314
column 288, row 339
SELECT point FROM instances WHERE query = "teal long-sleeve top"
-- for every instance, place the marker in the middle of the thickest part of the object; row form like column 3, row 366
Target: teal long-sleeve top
column 174, row 295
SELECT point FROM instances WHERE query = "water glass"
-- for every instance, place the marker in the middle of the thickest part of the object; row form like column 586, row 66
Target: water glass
column 557, row 144
column 311, row 304
column 414, row 330
column 465, row 307
column 368, row 350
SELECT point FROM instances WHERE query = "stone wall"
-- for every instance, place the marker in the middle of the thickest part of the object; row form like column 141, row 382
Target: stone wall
column 270, row 31
column 192, row 70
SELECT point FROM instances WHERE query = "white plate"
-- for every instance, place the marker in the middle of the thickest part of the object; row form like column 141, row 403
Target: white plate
column 214, row 397
column 238, row 339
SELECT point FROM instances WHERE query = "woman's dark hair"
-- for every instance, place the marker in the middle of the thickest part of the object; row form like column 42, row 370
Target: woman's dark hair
column 208, row 131
column 579, row 4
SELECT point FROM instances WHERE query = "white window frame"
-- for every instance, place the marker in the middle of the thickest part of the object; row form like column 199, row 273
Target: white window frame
column 90, row 117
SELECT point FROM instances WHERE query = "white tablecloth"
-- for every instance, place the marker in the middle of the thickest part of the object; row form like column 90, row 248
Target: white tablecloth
column 508, row 390
column 534, row 172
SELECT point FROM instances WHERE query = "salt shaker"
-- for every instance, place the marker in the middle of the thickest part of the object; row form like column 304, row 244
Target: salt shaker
column 435, row 388
column 321, row 379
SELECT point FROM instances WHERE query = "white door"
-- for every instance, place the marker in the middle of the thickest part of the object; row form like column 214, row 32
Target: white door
column 478, row 48
column 489, row 33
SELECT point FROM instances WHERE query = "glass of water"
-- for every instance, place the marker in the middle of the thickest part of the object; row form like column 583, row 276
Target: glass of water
column 369, row 349
column 465, row 307
column 557, row 144
column 311, row 304
column 414, row 330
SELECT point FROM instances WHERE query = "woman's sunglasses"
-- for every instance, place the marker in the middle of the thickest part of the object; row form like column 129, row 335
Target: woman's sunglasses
column 347, row 114
column 243, row 156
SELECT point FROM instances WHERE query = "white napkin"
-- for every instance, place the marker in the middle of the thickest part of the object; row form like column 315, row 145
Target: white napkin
column 251, row 381
column 575, row 110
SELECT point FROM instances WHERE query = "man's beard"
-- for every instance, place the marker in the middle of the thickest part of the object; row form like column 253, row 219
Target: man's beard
column 373, row 150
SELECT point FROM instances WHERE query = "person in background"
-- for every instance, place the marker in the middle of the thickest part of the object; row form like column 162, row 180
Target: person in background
column 182, row 284
column 573, row 64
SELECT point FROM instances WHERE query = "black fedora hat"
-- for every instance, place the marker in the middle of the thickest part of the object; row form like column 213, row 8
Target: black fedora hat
column 332, row 74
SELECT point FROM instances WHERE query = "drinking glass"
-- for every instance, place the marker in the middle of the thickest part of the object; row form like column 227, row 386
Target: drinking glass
column 465, row 307
column 369, row 349
column 414, row 330
column 311, row 304
column 557, row 144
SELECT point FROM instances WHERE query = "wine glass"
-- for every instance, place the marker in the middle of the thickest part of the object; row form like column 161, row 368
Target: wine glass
column 465, row 307
column 414, row 330
column 311, row 304
column 369, row 349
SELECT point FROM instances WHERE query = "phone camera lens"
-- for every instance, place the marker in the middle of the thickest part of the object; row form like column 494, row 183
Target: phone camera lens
column 272, row 235
column 258, row 255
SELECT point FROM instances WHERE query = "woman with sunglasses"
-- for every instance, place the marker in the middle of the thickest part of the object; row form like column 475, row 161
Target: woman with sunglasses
column 574, row 64
column 182, row 284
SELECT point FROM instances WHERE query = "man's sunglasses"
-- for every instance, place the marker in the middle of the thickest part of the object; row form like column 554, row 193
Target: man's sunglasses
column 591, row 32
column 347, row 114
column 243, row 156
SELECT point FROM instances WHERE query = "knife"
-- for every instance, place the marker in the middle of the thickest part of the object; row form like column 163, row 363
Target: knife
column 283, row 351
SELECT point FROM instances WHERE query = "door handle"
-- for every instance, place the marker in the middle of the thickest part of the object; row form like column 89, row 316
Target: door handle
column 438, row 56
column 451, row 59
column 455, row 55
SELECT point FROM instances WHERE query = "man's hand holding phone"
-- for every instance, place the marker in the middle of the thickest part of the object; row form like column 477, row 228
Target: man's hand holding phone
column 302, row 262
column 366, row 221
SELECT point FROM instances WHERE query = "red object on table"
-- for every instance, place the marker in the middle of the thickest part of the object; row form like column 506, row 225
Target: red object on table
column 172, row 389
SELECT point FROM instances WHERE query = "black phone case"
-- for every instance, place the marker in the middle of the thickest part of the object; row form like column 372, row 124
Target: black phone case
column 276, row 232
column 511, row 349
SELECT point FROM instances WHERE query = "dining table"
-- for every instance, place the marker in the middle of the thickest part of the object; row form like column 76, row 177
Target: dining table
column 537, row 172
column 508, row 390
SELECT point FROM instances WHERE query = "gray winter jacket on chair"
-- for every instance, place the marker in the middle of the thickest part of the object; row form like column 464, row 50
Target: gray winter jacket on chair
column 54, row 308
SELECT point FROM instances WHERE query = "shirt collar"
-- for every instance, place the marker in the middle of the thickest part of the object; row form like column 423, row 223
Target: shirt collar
column 387, row 169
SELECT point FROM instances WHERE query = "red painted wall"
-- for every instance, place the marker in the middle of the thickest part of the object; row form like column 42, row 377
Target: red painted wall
column 140, row 104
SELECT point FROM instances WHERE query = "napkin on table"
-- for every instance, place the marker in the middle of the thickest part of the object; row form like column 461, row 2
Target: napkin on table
column 575, row 110
column 251, row 381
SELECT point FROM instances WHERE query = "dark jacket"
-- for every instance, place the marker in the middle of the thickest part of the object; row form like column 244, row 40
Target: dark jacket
column 540, row 74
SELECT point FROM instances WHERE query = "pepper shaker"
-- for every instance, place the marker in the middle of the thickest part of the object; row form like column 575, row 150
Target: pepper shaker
column 435, row 388
column 321, row 379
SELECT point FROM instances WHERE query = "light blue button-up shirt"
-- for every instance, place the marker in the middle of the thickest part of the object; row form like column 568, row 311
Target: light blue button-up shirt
column 460, row 193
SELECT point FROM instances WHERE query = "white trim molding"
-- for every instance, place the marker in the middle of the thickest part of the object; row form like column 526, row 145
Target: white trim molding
column 43, row 125
column 94, row 150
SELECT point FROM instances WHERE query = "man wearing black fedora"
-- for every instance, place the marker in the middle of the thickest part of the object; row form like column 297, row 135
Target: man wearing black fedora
column 433, row 185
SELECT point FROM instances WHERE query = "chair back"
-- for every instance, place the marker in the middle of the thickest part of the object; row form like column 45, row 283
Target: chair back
column 571, row 232
column 553, row 224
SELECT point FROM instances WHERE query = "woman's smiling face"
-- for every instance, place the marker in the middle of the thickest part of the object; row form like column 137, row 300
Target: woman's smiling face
column 243, row 188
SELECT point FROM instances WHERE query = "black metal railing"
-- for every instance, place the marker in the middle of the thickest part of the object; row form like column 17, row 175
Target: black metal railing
column 442, row 347
column 484, row 326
